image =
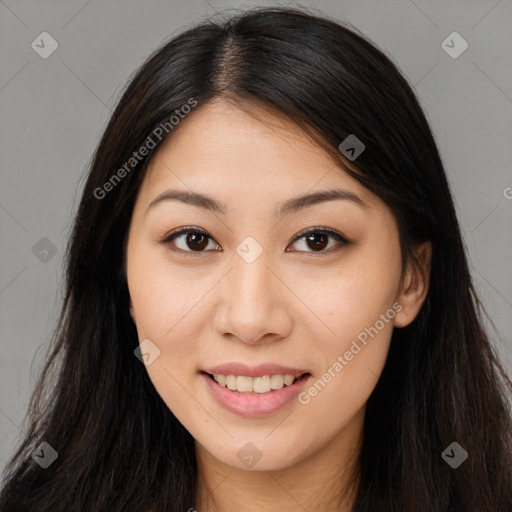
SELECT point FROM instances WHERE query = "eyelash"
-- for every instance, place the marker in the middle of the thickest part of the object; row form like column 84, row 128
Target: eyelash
column 302, row 234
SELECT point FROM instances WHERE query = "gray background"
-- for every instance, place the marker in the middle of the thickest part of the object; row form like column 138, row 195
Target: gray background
column 53, row 111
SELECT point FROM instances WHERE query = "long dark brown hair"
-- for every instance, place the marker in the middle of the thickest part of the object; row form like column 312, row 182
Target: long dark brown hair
column 119, row 446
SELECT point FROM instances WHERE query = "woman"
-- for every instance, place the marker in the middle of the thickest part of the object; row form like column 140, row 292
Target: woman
column 268, row 301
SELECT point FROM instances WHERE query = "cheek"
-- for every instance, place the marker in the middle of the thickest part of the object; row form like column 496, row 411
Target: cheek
column 355, row 306
column 350, row 362
column 169, row 312
column 166, row 297
column 351, row 296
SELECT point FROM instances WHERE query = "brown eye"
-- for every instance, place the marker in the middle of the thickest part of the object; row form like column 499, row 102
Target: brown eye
column 189, row 240
column 196, row 241
column 317, row 240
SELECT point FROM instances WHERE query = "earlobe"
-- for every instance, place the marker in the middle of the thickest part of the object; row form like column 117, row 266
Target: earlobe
column 415, row 285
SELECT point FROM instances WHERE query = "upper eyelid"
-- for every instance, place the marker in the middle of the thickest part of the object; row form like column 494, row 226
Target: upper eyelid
column 319, row 229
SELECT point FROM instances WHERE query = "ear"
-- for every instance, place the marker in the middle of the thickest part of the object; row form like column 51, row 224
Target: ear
column 415, row 284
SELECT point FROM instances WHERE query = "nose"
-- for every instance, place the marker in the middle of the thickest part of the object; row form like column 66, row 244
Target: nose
column 253, row 303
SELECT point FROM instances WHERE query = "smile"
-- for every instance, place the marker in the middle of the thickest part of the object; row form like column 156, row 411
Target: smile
column 254, row 396
column 263, row 384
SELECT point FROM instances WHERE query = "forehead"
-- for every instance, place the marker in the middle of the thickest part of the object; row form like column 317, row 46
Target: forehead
column 224, row 151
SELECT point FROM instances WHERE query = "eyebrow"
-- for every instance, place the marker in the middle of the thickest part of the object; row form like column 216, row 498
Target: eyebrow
column 285, row 208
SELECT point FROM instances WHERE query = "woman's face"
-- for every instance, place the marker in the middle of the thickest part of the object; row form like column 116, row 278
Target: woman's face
column 251, row 298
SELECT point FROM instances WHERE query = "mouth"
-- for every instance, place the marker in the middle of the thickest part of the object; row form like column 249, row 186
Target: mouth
column 253, row 397
column 264, row 384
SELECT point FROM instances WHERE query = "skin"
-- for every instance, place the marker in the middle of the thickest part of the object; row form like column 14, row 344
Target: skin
column 297, row 307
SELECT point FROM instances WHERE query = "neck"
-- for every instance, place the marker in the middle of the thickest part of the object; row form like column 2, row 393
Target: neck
column 321, row 481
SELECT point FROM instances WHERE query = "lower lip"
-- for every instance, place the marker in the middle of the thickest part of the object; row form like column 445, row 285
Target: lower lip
column 255, row 404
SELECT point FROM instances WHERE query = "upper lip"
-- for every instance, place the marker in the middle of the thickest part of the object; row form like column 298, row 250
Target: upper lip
column 254, row 371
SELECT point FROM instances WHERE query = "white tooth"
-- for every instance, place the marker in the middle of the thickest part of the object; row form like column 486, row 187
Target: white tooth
column 261, row 384
column 231, row 382
column 288, row 379
column 221, row 379
column 244, row 384
column 276, row 381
